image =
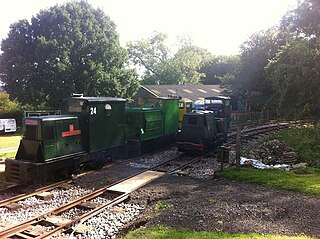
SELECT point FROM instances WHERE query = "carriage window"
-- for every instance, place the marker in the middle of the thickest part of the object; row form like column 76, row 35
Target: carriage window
column 192, row 120
column 48, row 132
column 181, row 105
column 108, row 109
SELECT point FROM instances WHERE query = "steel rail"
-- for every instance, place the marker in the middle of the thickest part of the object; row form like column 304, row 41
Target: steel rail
column 45, row 188
column 115, row 201
column 27, row 195
column 24, row 225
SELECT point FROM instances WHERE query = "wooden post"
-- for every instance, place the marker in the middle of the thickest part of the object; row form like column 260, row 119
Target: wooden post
column 238, row 148
column 221, row 157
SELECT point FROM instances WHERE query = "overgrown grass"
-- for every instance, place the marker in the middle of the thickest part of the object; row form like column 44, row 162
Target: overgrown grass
column 303, row 141
column 306, row 180
column 161, row 232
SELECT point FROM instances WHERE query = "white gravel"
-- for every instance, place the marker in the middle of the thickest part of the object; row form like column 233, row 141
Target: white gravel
column 34, row 206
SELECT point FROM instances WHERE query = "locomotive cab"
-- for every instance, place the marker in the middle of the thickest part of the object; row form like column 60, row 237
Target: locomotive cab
column 200, row 132
column 197, row 132
column 221, row 107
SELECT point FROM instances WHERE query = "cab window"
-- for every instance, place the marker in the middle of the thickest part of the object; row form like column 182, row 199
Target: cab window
column 181, row 105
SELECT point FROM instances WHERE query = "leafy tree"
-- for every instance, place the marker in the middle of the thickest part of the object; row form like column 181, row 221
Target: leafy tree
column 221, row 70
column 301, row 57
column 160, row 66
column 189, row 60
column 304, row 20
column 255, row 54
column 294, row 71
column 7, row 105
column 66, row 49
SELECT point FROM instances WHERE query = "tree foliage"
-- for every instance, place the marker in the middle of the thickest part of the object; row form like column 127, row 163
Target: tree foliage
column 294, row 71
column 255, row 54
column 221, row 70
column 304, row 20
column 7, row 105
column 160, row 66
column 66, row 49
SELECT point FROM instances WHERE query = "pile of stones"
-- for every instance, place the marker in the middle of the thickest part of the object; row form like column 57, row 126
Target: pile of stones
column 274, row 152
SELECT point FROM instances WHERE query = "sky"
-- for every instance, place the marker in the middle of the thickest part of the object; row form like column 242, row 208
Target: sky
column 220, row 26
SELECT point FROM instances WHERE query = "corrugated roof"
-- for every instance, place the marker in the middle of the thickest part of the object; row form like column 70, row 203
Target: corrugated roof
column 192, row 92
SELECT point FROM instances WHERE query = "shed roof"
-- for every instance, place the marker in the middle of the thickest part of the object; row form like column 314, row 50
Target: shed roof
column 191, row 92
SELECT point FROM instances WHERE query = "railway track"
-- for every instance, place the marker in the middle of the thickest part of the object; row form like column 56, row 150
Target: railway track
column 17, row 192
column 248, row 133
column 52, row 222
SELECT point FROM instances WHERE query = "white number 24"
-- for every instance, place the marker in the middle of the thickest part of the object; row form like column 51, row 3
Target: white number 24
column 93, row 110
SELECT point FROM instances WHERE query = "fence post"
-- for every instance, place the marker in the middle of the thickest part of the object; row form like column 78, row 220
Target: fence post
column 238, row 148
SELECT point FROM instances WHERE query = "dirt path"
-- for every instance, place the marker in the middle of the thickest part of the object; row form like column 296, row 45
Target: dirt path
column 219, row 204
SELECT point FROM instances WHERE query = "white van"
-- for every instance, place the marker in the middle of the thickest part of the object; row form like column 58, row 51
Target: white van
column 8, row 126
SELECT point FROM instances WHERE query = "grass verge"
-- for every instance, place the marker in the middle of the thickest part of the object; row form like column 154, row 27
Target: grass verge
column 7, row 155
column 306, row 181
column 8, row 140
column 161, row 232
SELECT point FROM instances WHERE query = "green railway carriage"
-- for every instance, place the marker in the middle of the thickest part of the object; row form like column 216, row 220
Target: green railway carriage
column 144, row 123
column 171, row 116
column 149, row 127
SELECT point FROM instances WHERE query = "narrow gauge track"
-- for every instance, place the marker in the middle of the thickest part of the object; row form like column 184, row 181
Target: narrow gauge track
column 51, row 223
column 15, row 193
column 253, row 132
column 19, row 197
column 18, row 192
